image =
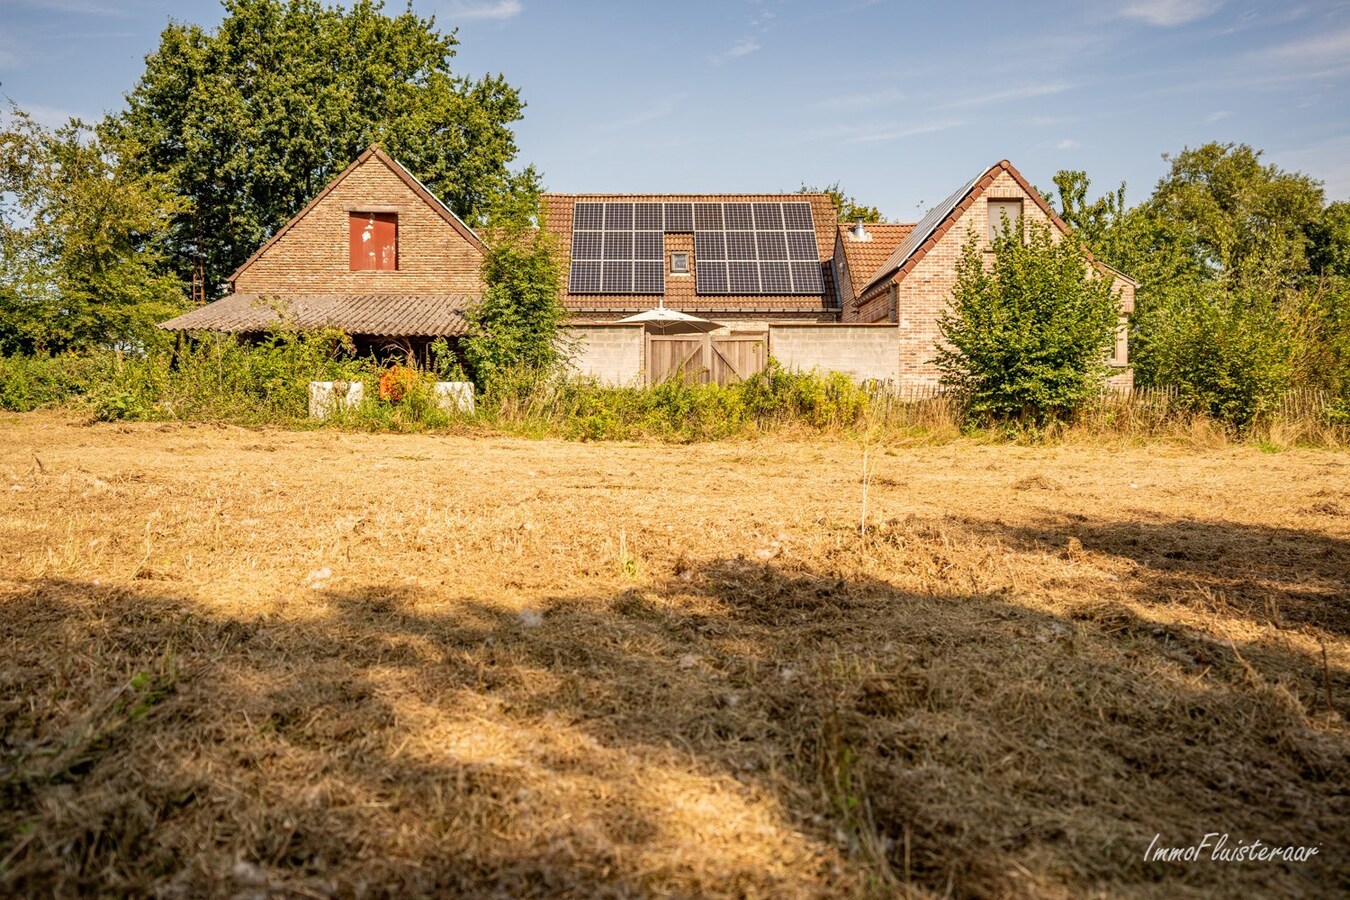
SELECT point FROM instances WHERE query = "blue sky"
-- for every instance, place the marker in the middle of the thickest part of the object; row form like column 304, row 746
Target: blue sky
column 901, row 102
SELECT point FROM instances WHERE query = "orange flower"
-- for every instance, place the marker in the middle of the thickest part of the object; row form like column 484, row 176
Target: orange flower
column 395, row 383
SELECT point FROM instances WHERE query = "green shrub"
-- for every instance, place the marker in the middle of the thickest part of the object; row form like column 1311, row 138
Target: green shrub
column 1227, row 353
column 1027, row 342
column 33, row 382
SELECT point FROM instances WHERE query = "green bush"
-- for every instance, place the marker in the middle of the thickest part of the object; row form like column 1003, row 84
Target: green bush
column 1227, row 353
column 1027, row 342
column 674, row 410
column 33, row 382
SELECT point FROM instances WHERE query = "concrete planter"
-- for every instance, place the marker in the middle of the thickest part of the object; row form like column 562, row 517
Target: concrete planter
column 455, row 396
column 327, row 397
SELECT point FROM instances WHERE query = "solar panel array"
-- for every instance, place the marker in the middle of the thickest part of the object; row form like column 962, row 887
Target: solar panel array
column 739, row 248
column 756, row 248
column 618, row 248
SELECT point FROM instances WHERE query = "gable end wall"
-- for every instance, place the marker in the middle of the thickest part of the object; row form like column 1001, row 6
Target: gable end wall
column 924, row 294
column 312, row 257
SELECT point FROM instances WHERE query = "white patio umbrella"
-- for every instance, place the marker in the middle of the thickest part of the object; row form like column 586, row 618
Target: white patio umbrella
column 671, row 321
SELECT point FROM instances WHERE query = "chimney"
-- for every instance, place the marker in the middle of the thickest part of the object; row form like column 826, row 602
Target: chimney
column 859, row 232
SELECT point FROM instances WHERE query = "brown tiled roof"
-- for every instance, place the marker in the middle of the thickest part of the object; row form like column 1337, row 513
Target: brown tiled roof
column 384, row 315
column 556, row 218
column 397, row 168
column 864, row 257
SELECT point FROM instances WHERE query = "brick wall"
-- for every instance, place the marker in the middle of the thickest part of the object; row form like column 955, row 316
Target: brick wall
column 866, row 352
column 611, row 354
column 312, row 256
column 923, row 295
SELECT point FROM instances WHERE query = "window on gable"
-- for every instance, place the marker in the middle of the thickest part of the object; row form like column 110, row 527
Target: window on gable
column 373, row 241
column 1003, row 214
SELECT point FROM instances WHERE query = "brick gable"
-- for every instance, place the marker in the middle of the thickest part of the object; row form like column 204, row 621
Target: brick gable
column 437, row 253
column 920, row 285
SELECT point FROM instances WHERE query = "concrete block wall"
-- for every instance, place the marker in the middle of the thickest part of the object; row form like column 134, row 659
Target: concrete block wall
column 865, row 352
column 612, row 354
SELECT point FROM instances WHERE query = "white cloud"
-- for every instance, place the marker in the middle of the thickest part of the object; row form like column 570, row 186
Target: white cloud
column 743, row 48
column 1323, row 48
column 497, row 11
column 1217, row 115
column 1168, row 13
column 877, row 137
column 1328, row 161
column 650, row 114
column 1068, row 144
column 47, row 116
column 1021, row 93
column 82, row 7
column 867, row 100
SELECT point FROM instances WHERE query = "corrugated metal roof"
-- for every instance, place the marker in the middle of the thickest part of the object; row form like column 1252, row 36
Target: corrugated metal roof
column 922, row 231
column 384, row 315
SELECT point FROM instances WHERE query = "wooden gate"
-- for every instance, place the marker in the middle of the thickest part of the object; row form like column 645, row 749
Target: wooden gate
column 703, row 358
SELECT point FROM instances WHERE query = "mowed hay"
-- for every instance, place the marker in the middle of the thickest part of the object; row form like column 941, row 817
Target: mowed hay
column 235, row 662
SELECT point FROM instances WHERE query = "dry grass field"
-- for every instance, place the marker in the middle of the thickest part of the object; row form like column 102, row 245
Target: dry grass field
column 262, row 663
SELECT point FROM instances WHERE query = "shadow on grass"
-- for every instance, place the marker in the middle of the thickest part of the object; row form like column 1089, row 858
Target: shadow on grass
column 1286, row 577
column 736, row 729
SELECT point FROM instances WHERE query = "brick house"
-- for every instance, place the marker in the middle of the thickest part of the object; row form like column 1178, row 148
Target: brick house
column 375, row 254
column 379, row 256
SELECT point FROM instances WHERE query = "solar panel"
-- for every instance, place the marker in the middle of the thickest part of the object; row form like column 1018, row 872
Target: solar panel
column 743, row 277
column 741, row 245
column 649, row 246
column 648, row 217
column 707, row 217
column 618, row 248
column 679, row 218
column 802, row 245
column 618, row 245
column 585, row 277
column 618, row 216
column 806, row 278
column 769, row 216
column 771, row 244
column 770, row 248
column 797, row 217
column 710, row 245
column 711, row 277
column 764, row 247
column 649, row 277
column 587, row 245
column 738, row 216
column 588, row 217
column 616, row 277
column 775, row 278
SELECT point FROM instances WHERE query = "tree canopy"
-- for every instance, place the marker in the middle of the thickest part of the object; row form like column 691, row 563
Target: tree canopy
column 846, row 206
column 81, row 241
column 249, row 121
column 1244, row 275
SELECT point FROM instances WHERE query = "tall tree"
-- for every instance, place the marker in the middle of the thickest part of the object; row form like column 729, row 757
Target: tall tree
column 846, row 206
column 82, row 260
column 1237, row 220
column 250, row 120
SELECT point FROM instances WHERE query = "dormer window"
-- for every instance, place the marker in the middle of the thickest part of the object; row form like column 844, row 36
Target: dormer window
column 373, row 241
column 1003, row 214
column 679, row 263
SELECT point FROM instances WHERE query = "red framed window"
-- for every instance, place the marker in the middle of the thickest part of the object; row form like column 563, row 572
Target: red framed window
column 373, row 241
